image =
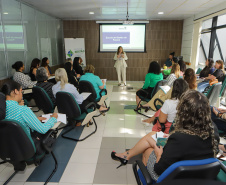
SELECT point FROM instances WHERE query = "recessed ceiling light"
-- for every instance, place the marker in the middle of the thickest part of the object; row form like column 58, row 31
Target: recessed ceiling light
column 91, row 13
column 5, row 13
column 161, row 13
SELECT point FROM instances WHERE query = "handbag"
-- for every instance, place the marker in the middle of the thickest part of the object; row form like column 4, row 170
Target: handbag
column 213, row 81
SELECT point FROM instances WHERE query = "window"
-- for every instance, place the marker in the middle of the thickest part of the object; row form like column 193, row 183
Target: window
column 213, row 40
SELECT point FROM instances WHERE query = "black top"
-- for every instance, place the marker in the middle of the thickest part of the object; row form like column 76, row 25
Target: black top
column 181, row 147
column 72, row 78
column 77, row 68
column 206, row 71
column 47, row 86
column 219, row 74
column 33, row 78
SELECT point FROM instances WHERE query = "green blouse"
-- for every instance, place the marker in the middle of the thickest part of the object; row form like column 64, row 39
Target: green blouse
column 151, row 80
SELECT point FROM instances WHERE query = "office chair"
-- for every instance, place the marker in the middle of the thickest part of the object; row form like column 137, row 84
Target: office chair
column 86, row 86
column 213, row 93
column 198, row 71
column 42, row 100
column 146, row 98
column 18, row 147
column 198, row 169
column 66, row 104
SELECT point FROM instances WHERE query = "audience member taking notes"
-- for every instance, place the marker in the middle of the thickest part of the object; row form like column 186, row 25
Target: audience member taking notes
column 15, row 110
column 192, row 139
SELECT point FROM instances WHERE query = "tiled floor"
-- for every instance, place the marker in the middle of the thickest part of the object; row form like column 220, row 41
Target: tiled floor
column 90, row 162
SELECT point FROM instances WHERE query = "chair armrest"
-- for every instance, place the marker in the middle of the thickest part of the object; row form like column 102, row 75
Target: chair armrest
column 90, row 105
column 48, row 140
column 103, row 90
column 223, row 167
column 220, row 120
column 157, row 99
column 144, row 172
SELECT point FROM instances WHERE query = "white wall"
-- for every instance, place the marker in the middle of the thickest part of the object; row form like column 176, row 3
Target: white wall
column 187, row 36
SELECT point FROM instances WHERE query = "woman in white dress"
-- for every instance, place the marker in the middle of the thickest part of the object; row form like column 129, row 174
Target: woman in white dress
column 120, row 65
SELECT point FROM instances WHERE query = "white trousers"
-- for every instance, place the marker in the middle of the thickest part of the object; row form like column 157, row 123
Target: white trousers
column 121, row 71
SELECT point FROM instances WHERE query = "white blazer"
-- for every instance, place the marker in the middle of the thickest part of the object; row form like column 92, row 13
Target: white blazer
column 119, row 60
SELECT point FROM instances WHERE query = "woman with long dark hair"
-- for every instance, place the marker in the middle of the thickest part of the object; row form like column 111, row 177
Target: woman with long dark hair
column 34, row 66
column 153, row 76
column 208, row 69
column 45, row 64
column 77, row 65
column 71, row 76
column 190, row 78
column 192, row 139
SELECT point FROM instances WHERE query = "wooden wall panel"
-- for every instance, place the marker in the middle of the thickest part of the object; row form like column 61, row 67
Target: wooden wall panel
column 162, row 38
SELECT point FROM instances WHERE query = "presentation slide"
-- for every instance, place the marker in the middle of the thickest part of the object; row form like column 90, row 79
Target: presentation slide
column 14, row 37
column 130, row 37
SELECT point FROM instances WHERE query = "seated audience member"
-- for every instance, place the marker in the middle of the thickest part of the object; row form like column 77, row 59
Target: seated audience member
column 45, row 64
column 192, row 139
column 16, row 110
column 167, row 113
column 151, row 79
column 77, row 65
column 219, row 113
column 182, row 67
column 63, row 85
column 20, row 77
column 174, row 74
column 34, row 66
column 190, row 78
column 73, row 71
column 42, row 77
column 97, row 83
column 168, row 62
column 218, row 74
column 208, row 69
column 71, row 76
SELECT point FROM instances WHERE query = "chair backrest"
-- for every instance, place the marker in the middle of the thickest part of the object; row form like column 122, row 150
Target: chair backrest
column 42, row 100
column 2, row 106
column 223, row 87
column 213, row 93
column 86, row 86
column 16, row 143
column 198, row 71
column 204, row 169
column 156, row 88
column 66, row 104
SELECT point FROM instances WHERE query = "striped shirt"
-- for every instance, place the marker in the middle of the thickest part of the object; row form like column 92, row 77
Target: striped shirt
column 27, row 118
column 47, row 86
column 170, row 79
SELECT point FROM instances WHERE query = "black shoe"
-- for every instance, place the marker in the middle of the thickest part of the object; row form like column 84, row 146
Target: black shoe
column 137, row 109
column 122, row 160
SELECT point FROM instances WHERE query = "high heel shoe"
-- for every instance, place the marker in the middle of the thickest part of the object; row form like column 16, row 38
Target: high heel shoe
column 122, row 160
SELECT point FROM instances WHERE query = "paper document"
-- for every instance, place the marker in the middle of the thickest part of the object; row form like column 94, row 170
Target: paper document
column 105, row 80
column 61, row 118
column 165, row 88
column 51, row 77
column 158, row 135
column 27, row 91
column 85, row 95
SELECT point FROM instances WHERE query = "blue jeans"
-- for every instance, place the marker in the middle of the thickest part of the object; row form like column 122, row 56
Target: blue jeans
column 202, row 85
column 221, row 125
